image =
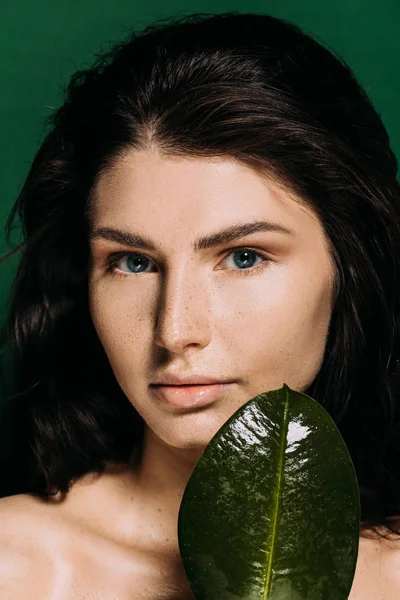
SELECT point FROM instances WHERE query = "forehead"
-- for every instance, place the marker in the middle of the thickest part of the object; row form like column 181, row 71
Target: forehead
column 142, row 187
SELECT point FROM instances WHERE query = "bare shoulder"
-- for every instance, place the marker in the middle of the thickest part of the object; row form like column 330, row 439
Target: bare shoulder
column 51, row 554
column 24, row 544
column 378, row 569
column 19, row 517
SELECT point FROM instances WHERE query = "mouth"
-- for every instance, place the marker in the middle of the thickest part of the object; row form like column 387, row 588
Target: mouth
column 187, row 396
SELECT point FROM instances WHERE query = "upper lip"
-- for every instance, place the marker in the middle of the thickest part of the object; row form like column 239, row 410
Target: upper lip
column 170, row 379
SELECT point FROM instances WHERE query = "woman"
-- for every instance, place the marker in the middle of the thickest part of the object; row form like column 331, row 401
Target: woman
column 216, row 202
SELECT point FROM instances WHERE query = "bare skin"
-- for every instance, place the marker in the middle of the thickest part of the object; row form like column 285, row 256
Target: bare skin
column 72, row 551
column 185, row 312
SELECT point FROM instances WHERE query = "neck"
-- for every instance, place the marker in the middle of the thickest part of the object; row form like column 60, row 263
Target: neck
column 161, row 477
column 164, row 468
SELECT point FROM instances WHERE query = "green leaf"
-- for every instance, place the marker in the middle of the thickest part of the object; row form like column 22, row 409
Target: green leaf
column 272, row 509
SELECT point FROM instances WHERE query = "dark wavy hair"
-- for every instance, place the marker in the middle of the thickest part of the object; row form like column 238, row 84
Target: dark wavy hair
column 242, row 85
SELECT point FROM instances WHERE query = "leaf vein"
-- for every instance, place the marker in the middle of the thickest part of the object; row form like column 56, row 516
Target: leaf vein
column 277, row 494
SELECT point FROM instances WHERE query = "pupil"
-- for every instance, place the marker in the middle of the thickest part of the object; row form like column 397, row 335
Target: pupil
column 243, row 254
column 136, row 261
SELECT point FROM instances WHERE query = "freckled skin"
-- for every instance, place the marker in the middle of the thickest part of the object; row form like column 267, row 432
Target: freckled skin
column 196, row 312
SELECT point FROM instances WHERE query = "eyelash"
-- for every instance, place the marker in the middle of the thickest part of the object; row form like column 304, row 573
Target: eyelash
column 112, row 259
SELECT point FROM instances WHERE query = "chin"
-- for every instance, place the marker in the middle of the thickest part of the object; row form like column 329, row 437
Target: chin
column 191, row 430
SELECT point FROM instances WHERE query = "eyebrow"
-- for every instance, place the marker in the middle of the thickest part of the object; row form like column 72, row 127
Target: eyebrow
column 205, row 242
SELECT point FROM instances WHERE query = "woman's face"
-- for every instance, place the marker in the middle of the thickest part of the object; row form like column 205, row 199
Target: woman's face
column 258, row 319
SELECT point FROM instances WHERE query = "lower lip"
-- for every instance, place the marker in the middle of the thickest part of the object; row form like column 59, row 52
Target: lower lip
column 186, row 396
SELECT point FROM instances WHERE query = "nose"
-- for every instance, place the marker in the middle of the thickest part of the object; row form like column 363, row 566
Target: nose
column 183, row 312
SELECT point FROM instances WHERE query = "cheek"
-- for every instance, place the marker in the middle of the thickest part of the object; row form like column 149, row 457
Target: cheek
column 277, row 330
column 119, row 324
column 302, row 332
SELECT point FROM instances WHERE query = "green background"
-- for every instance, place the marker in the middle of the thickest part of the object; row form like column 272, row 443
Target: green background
column 43, row 42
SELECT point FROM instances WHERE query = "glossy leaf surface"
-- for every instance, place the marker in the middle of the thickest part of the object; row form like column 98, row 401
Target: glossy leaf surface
column 271, row 510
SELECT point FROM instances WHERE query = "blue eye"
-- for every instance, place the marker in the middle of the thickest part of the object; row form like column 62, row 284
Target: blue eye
column 139, row 263
column 244, row 256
